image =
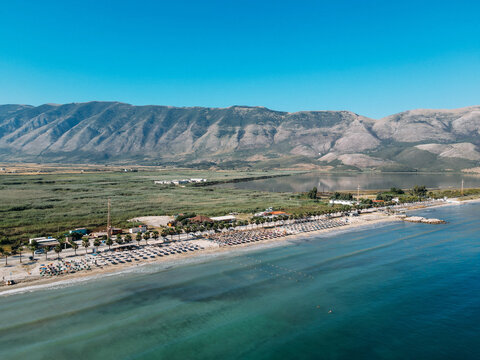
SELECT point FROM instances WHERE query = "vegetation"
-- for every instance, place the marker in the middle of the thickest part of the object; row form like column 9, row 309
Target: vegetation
column 342, row 196
column 52, row 204
column 312, row 194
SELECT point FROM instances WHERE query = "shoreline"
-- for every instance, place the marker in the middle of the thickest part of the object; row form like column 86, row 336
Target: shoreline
column 37, row 282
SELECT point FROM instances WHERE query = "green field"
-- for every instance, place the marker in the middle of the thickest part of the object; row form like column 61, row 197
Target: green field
column 39, row 205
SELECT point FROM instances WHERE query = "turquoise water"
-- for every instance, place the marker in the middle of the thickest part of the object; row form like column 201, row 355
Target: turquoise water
column 396, row 291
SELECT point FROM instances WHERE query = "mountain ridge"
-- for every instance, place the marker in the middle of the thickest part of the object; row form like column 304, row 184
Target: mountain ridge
column 239, row 136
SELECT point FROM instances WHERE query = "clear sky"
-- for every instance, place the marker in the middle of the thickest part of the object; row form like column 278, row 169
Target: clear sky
column 371, row 57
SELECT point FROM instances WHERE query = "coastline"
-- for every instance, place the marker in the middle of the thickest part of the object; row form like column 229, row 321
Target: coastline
column 36, row 282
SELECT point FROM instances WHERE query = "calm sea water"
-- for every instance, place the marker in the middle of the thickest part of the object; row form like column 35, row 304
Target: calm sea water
column 397, row 291
column 367, row 181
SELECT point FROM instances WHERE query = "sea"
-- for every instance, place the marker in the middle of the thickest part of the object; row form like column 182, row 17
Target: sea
column 385, row 291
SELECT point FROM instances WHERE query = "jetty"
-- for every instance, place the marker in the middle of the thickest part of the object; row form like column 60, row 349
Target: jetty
column 420, row 219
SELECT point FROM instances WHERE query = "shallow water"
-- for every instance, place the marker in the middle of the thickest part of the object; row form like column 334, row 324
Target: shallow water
column 367, row 181
column 398, row 291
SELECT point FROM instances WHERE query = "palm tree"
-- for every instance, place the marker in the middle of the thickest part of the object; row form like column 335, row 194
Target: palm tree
column 74, row 246
column 109, row 242
column 96, row 243
column 146, row 236
column 46, row 249
column 128, row 238
column 86, row 244
column 2, row 251
column 19, row 250
column 171, row 232
column 164, row 233
column 58, row 250
column 62, row 242
column 155, row 235
column 33, row 247
column 138, row 238
column 6, row 254
column 119, row 239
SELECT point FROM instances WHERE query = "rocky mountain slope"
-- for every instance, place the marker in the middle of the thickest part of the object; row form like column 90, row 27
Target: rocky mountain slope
column 239, row 136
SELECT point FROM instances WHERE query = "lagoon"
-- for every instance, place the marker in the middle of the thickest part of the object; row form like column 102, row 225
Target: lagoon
column 350, row 181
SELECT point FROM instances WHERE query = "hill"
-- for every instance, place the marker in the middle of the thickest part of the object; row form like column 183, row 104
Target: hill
column 239, row 136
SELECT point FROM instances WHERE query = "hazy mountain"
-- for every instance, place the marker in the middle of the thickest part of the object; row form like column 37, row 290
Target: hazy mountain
column 239, row 136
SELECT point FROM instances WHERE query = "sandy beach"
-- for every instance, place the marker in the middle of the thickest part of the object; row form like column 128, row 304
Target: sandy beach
column 28, row 276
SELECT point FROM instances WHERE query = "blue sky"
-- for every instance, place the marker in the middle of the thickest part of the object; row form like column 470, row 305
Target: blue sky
column 371, row 57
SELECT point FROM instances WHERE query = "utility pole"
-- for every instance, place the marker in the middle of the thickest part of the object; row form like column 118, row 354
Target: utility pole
column 462, row 188
column 358, row 191
column 109, row 228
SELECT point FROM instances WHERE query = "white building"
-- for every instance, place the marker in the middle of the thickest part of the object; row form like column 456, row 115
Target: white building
column 140, row 229
column 228, row 218
column 342, row 202
column 44, row 241
column 179, row 182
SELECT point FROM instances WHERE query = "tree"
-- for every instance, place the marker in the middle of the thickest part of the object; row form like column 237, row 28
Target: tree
column 96, row 243
column 384, row 197
column 138, row 238
column 33, row 247
column 155, row 235
column 86, row 244
column 164, row 232
column 58, row 250
column 109, row 242
column 46, row 249
column 146, row 236
column 62, row 241
column 420, row 191
column 119, row 239
column 312, row 194
column 171, row 232
column 396, row 191
column 20, row 249
column 128, row 238
column 341, row 196
column 4, row 253
column 74, row 246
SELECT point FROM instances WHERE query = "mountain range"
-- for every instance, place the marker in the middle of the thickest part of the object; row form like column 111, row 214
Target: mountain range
column 240, row 137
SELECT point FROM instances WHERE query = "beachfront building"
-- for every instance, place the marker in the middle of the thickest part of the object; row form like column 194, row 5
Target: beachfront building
column 44, row 241
column 138, row 229
column 226, row 218
column 342, row 202
column 270, row 213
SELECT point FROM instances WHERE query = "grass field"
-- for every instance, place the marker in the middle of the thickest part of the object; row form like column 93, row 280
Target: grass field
column 39, row 205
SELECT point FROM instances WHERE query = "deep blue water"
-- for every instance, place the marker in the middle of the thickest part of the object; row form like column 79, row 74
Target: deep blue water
column 397, row 291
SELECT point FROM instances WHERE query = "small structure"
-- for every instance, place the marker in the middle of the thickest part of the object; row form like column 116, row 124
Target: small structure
column 226, row 218
column 81, row 231
column 179, row 182
column 342, row 202
column 140, row 229
column 44, row 241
